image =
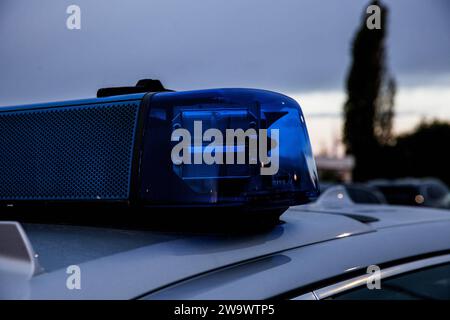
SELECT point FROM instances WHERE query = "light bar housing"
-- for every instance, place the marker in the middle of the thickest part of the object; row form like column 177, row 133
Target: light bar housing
column 116, row 151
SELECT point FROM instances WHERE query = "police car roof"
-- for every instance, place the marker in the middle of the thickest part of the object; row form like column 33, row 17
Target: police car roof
column 123, row 264
column 384, row 216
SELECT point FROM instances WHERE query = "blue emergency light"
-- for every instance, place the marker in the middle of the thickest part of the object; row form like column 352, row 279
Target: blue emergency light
column 149, row 147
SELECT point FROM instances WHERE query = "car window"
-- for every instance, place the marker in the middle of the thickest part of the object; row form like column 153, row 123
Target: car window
column 436, row 191
column 430, row 283
column 363, row 196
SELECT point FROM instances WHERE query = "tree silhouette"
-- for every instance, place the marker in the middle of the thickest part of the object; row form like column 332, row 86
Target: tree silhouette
column 370, row 95
column 423, row 152
column 369, row 111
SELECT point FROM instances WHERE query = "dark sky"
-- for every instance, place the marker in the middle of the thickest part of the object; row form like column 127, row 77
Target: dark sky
column 285, row 45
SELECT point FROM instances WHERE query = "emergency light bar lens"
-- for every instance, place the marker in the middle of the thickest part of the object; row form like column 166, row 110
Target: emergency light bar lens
column 228, row 146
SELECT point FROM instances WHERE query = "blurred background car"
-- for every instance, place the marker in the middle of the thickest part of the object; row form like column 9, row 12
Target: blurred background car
column 414, row 192
column 358, row 192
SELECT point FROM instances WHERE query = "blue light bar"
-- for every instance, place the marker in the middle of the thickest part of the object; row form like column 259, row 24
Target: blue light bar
column 243, row 148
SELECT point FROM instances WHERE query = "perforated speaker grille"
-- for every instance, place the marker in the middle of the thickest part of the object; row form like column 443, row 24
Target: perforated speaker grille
column 67, row 153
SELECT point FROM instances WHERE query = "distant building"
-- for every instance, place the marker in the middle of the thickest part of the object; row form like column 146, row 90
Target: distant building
column 334, row 168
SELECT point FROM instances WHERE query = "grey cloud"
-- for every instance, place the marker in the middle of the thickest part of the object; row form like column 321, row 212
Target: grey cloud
column 286, row 45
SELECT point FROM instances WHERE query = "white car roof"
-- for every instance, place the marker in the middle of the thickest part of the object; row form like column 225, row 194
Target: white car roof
column 124, row 264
